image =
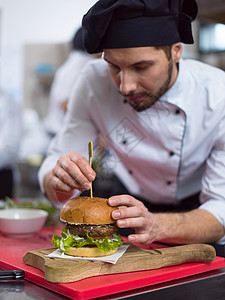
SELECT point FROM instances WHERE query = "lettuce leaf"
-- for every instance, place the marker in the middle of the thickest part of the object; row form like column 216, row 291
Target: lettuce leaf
column 67, row 241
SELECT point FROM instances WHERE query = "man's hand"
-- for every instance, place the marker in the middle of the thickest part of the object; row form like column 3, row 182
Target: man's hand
column 133, row 214
column 71, row 171
column 195, row 226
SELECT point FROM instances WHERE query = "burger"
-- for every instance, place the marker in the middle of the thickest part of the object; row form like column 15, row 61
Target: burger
column 90, row 230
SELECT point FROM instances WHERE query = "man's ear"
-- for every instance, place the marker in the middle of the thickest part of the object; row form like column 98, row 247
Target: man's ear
column 176, row 52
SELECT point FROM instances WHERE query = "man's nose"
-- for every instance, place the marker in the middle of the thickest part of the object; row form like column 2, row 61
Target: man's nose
column 127, row 83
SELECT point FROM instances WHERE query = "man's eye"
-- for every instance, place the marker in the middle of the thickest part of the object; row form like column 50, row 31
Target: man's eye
column 141, row 68
column 114, row 68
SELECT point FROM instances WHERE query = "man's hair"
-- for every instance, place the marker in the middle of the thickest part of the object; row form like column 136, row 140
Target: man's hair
column 167, row 50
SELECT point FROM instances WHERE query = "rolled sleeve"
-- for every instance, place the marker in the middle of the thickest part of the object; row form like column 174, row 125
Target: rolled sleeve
column 213, row 182
column 46, row 167
column 217, row 209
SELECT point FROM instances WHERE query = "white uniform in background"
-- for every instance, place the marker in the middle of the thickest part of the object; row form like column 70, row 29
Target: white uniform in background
column 10, row 131
column 164, row 154
column 63, row 82
column 10, row 138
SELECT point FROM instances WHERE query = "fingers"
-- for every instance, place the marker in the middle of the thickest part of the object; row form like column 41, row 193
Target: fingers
column 58, row 185
column 141, row 238
column 83, row 165
column 132, row 217
column 72, row 171
column 131, row 213
column 125, row 200
column 70, row 174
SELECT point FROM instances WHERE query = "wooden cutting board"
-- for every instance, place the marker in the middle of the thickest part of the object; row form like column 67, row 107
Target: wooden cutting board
column 134, row 259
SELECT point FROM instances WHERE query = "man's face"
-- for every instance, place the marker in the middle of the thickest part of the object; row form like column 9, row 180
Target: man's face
column 142, row 75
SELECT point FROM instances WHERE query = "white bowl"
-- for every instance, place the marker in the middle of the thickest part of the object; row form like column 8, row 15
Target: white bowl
column 21, row 222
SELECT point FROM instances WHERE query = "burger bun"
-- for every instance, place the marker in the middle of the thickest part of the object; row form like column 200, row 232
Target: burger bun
column 89, row 252
column 87, row 210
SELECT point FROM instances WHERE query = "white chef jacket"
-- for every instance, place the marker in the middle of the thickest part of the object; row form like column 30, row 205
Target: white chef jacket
column 10, row 131
column 166, row 153
column 61, row 88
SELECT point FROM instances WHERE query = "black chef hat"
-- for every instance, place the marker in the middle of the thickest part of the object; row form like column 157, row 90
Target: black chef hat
column 138, row 23
column 77, row 41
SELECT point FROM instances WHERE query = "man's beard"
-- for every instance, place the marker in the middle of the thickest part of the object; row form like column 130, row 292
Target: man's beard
column 151, row 99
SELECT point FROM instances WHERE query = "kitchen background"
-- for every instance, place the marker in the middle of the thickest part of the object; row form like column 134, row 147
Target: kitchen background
column 34, row 42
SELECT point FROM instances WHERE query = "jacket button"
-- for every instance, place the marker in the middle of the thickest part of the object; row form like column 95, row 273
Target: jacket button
column 169, row 182
column 171, row 153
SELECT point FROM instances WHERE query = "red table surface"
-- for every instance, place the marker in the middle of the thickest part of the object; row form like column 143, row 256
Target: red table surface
column 12, row 251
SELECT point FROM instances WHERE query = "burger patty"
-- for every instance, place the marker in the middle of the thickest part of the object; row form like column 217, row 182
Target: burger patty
column 92, row 230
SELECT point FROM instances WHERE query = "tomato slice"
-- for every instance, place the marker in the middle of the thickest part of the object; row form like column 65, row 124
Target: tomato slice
column 101, row 237
column 89, row 246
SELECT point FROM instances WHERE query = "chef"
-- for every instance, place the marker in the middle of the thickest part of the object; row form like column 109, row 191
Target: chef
column 163, row 117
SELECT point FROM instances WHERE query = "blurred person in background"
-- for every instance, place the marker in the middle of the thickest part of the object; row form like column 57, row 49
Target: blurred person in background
column 63, row 82
column 10, row 136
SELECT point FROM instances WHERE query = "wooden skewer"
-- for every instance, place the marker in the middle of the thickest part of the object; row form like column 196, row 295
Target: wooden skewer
column 90, row 151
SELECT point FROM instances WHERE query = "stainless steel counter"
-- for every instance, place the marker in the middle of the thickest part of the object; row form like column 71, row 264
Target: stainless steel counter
column 207, row 286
